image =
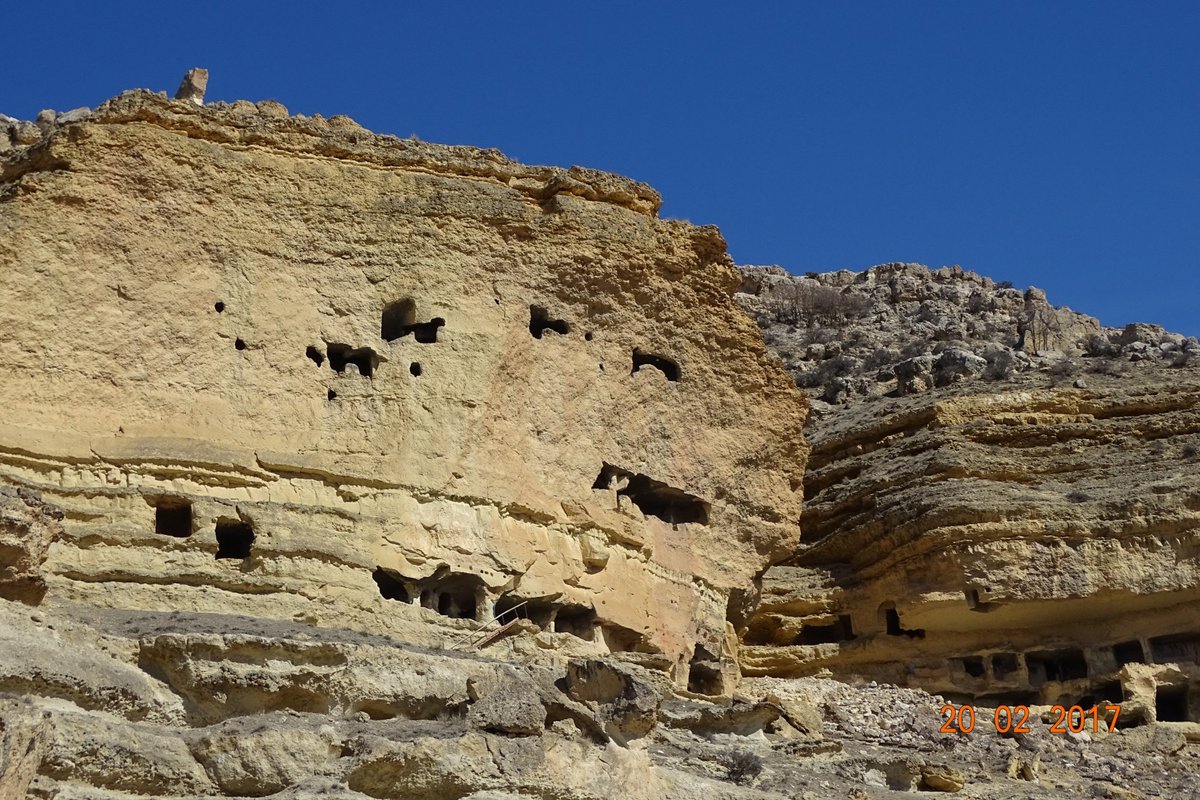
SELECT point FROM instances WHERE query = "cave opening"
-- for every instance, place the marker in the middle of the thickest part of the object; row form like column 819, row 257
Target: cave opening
column 1171, row 704
column 840, row 630
column 540, row 322
column 399, row 319
column 391, row 585
column 1176, row 648
column 1056, row 665
column 579, row 621
column 315, row 355
column 1129, row 653
column 663, row 364
column 892, row 624
column 455, row 595
column 234, row 538
column 620, row 639
column 973, row 666
column 364, row 359
column 173, row 517
column 1004, row 664
column 704, row 673
column 653, row 498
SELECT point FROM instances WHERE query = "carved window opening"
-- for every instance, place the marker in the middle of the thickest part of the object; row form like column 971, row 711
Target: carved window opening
column 1056, row 665
column 455, row 595
column 1171, row 704
column 1176, row 648
column 364, row 359
column 620, row 639
column 234, row 538
column 391, row 585
column 653, row 498
column 540, row 322
column 399, row 319
column 975, row 603
column 315, row 355
column 704, row 673
column 661, row 363
column 173, row 517
column 973, row 666
column 578, row 621
column 1128, row 653
column 1004, row 664
column 841, row 630
column 892, row 625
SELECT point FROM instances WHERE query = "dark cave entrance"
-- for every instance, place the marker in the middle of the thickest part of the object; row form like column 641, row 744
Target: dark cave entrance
column 399, row 319
column 173, row 517
column 234, row 538
column 540, row 322
column 663, row 364
column 391, row 585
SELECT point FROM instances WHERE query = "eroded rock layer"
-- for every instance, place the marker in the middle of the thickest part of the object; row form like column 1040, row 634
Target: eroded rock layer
column 284, row 367
column 1032, row 540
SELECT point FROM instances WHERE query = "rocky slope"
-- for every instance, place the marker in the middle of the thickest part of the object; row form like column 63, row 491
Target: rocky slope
column 986, row 518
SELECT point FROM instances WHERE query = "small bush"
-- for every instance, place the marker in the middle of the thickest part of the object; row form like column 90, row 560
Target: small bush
column 1190, row 450
column 742, row 767
column 1077, row 496
column 810, row 303
column 1064, row 368
column 999, row 367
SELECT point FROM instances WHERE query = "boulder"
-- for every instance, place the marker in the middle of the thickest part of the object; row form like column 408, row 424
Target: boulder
column 513, row 708
column 625, row 702
column 193, row 86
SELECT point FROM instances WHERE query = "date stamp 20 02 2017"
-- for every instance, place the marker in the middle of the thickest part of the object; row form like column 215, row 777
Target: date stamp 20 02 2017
column 1015, row 719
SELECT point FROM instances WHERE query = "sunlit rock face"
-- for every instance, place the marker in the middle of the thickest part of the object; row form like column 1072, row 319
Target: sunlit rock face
column 284, row 367
column 1027, row 534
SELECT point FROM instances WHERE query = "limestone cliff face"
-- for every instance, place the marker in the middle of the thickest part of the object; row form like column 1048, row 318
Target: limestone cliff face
column 282, row 366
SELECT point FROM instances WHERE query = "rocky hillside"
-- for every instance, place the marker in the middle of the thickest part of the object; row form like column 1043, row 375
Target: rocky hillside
column 901, row 329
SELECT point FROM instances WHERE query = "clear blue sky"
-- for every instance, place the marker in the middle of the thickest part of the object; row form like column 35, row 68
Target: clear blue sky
column 1049, row 143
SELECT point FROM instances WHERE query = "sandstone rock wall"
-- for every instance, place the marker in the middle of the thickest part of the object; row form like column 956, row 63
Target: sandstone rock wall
column 281, row 366
column 1031, row 543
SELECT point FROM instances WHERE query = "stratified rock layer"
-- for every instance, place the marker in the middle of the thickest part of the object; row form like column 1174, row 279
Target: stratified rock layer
column 1021, row 526
column 281, row 366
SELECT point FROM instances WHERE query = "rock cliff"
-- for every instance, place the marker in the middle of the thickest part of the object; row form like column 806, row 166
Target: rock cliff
column 283, row 366
column 336, row 465
column 985, row 518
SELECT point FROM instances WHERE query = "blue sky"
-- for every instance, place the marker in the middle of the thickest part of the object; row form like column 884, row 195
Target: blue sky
column 1046, row 143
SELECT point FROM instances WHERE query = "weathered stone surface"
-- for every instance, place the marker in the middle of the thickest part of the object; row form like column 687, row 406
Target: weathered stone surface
column 193, row 86
column 512, row 707
column 345, row 398
column 626, row 703
column 24, row 733
column 27, row 529
column 466, row 467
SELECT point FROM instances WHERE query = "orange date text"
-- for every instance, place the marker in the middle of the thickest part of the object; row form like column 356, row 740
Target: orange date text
column 1015, row 719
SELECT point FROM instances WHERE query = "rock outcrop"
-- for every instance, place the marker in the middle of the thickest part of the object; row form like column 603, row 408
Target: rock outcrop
column 1024, row 533
column 284, row 367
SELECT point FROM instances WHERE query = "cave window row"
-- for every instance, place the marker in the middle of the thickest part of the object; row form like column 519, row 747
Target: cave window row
column 173, row 517
column 464, row 596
